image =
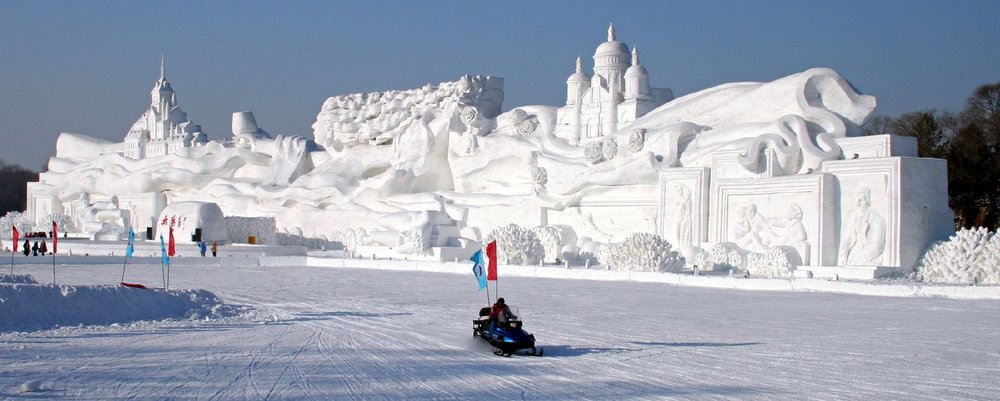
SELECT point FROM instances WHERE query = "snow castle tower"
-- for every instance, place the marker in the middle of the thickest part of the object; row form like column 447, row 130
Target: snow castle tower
column 615, row 96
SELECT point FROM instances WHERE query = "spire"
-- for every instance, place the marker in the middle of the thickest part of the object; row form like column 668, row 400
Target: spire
column 635, row 55
column 163, row 73
column 579, row 64
column 611, row 32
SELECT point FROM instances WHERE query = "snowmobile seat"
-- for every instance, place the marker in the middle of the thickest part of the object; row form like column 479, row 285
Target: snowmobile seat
column 484, row 312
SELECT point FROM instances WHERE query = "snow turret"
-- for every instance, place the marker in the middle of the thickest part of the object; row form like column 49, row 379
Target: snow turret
column 577, row 84
column 636, row 79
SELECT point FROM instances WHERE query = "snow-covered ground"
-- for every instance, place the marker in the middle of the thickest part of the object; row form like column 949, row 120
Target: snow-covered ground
column 334, row 333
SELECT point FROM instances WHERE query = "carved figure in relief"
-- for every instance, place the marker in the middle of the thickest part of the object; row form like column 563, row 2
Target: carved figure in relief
column 792, row 231
column 747, row 229
column 864, row 237
column 682, row 218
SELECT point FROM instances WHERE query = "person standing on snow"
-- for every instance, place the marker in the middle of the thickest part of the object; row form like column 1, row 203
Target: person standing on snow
column 202, row 247
column 44, row 248
column 215, row 248
column 34, row 249
column 27, row 248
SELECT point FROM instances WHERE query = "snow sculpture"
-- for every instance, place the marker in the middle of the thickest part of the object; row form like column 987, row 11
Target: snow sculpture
column 637, row 140
column 517, row 122
column 641, row 252
column 424, row 172
column 102, row 219
column 773, row 262
column 720, row 257
column 163, row 129
column 864, row 238
column 350, row 238
column 245, row 130
column 617, row 95
column 186, row 217
column 551, row 243
column 969, row 256
column 516, row 245
column 379, row 118
column 239, row 229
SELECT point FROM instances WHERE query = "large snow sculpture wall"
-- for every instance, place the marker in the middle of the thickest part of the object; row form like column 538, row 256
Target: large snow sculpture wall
column 772, row 175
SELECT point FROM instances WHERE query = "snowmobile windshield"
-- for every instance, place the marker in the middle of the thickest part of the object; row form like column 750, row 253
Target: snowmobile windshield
column 515, row 314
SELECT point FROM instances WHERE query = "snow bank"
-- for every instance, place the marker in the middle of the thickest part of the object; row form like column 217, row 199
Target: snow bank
column 28, row 306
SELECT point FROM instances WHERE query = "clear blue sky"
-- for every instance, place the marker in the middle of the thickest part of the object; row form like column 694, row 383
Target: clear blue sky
column 88, row 66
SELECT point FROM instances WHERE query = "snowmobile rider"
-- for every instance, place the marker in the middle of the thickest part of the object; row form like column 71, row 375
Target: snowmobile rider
column 500, row 314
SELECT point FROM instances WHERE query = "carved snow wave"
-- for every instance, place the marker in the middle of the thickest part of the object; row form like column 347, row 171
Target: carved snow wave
column 968, row 257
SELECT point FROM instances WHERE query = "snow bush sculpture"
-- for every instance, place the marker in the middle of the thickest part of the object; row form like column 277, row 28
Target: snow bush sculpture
column 641, row 252
column 551, row 240
column 18, row 219
column 517, row 245
column 64, row 221
column 720, row 257
column 969, row 256
column 774, row 262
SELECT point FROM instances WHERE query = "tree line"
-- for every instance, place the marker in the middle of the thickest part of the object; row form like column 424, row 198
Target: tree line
column 13, row 180
column 970, row 141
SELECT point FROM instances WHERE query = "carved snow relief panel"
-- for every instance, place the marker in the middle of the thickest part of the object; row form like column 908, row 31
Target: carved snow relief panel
column 684, row 205
column 791, row 213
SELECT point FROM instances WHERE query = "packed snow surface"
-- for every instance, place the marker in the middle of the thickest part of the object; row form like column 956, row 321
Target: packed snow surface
column 338, row 333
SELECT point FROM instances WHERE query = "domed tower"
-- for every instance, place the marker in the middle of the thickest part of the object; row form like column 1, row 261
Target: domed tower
column 611, row 61
column 636, row 80
column 577, row 84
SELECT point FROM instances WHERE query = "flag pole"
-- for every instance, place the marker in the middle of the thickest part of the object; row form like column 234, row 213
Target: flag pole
column 123, row 268
column 489, row 301
column 12, row 258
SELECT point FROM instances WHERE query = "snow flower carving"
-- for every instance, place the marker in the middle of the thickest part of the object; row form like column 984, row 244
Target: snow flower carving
column 468, row 115
column 609, row 149
column 593, row 153
column 636, row 140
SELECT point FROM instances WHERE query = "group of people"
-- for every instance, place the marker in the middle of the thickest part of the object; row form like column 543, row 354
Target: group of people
column 203, row 247
column 34, row 250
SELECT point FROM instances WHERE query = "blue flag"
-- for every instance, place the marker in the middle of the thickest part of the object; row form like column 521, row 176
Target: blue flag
column 163, row 252
column 131, row 243
column 478, row 269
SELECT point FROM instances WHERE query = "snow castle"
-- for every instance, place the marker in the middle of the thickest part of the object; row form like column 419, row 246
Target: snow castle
column 770, row 178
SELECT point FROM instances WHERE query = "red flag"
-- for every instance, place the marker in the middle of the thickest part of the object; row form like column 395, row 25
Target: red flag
column 55, row 237
column 15, row 235
column 491, row 252
column 170, row 245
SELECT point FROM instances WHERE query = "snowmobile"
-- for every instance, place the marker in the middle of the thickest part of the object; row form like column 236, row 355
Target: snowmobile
column 506, row 338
